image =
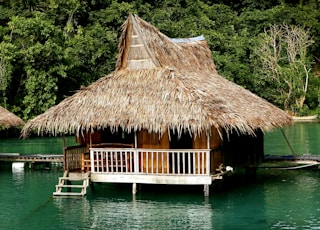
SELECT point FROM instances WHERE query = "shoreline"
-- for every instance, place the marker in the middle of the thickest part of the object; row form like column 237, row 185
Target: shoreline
column 313, row 118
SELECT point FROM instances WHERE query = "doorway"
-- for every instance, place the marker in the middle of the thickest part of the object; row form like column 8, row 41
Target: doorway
column 179, row 158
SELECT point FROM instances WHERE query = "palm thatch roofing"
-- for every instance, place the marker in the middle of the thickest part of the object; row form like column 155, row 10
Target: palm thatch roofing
column 9, row 120
column 160, row 84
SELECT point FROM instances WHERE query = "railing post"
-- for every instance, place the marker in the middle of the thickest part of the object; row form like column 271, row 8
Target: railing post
column 92, row 160
column 136, row 161
column 208, row 162
column 82, row 161
column 65, row 159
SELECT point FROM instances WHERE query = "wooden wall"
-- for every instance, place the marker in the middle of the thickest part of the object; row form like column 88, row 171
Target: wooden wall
column 151, row 141
column 235, row 150
column 200, row 142
column 89, row 138
column 243, row 150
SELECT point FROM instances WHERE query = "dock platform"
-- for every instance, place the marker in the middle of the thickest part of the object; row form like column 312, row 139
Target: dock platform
column 288, row 162
column 16, row 157
column 305, row 157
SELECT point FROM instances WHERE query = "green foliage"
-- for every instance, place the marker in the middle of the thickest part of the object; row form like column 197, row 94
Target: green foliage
column 283, row 52
column 319, row 106
column 43, row 69
column 6, row 59
column 49, row 48
column 91, row 54
column 37, row 63
column 113, row 15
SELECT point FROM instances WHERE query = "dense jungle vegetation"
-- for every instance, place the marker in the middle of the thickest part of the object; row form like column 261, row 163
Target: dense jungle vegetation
column 50, row 48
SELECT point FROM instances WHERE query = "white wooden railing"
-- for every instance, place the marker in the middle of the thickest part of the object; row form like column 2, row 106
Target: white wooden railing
column 150, row 161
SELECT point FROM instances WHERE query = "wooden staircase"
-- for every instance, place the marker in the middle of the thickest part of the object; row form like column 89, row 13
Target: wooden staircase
column 65, row 186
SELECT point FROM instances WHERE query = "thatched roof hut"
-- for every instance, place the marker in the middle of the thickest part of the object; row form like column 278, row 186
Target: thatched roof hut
column 159, row 84
column 9, row 120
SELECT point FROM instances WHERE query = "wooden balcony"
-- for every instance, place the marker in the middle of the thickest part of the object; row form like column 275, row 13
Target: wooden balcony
column 155, row 166
column 118, row 163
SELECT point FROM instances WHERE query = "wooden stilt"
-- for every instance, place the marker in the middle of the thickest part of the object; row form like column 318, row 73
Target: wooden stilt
column 251, row 173
column 206, row 199
column 134, row 188
column 206, row 190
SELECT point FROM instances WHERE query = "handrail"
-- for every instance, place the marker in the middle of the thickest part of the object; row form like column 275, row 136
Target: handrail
column 150, row 161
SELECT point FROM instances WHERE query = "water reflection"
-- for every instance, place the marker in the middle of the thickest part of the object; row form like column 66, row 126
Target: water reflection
column 298, row 203
column 303, row 137
column 18, row 175
column 134, row 212
column 17, row 167
column 73, row 213
column 35, row 145
column 276, row 200
column 239, row 207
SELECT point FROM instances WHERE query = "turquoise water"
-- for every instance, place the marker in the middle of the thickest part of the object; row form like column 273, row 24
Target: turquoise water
column 36, row 145
column 304, row 138
column 276, row 199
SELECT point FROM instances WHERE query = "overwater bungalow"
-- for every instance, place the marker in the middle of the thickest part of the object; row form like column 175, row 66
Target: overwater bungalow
column 163, row 116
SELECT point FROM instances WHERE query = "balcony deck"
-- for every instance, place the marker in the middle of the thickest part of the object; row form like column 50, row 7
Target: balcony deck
column 145, row 166
column 151, row 166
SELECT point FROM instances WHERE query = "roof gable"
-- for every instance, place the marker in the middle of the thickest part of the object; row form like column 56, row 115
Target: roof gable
column 142, row 46
column 134, row 51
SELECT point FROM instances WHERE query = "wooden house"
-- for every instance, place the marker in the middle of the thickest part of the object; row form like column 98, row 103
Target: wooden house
column 163, row 116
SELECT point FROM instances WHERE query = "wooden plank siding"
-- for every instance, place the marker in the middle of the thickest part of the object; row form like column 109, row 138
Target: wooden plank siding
column 74, row 157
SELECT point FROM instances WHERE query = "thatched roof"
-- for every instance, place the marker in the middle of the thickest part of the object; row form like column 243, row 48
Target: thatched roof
column 159, row 84
column 9, row 120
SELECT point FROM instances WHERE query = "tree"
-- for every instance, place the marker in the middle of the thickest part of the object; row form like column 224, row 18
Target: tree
column 4, row 78
column 49, row 48
column 39, row 61
column 284, row 57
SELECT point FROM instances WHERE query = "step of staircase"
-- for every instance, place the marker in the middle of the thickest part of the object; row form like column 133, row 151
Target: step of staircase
column 69, row 186
column 68, row 194
column 71, row 178
column 76, row 175
column 68, row 177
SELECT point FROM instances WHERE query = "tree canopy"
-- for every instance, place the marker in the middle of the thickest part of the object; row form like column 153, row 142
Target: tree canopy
column 50, row 48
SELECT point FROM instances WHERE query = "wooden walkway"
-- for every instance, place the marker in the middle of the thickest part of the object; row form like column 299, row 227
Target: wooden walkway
column 290, row 162
column 268, row 158
column 16, row 157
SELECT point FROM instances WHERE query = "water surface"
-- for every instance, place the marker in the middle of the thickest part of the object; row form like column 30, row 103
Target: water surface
column 277, row 199
column 304, row 138
column 36, row 145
